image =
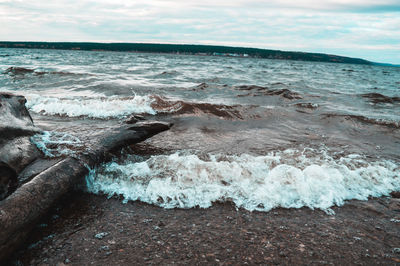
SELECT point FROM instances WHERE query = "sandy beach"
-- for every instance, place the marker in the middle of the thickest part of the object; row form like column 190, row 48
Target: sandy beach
column 85, row 229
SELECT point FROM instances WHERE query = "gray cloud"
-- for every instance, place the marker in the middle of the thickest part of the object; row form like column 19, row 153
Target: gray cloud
column 363, row 28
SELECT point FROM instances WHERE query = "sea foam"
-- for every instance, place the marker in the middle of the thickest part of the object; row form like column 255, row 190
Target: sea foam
column 288, row 179
column 94, row 107
column 55, row 144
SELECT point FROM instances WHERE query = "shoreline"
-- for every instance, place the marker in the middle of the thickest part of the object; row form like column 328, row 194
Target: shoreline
column 85, row 229
column 188, row 49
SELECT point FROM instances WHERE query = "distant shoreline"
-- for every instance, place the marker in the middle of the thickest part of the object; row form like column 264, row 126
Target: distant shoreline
column 189, row 49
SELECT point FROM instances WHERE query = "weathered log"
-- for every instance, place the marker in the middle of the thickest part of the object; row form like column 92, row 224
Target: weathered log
column 15, row 119
column 43, row 181
column 8, row 178
column 16, row 150
column 20, row 211
column 122, row 137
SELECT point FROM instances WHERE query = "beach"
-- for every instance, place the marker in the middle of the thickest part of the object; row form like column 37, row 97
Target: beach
column 84, row 229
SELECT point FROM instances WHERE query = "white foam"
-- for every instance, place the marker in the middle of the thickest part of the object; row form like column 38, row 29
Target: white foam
column 289, row 179
column 54, row 144
column 94, row 107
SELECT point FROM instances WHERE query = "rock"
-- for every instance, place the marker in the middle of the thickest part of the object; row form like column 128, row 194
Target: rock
column 101, row 235
column 104, row 248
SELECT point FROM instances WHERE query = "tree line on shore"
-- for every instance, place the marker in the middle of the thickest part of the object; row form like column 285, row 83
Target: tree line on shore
column 186, row 49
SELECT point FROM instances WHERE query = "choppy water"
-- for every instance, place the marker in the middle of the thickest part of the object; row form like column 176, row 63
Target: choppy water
column 260, row 133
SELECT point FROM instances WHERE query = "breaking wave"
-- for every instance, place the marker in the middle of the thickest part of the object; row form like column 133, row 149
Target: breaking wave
column 56, row 144
column 20, row 71
column 288, row 179
column 119, row 107
column 255, row 90
column 180, row 107
column 93, row 107
column 380, row 98
column 367, row 120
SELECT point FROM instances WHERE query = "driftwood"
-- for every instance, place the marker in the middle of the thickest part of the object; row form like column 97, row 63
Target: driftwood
column 50, row 179
column 16, row 150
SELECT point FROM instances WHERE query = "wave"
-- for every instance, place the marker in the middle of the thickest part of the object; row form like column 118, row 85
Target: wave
column 60, row 73
column 265, row 91
column 56, row 144
column 120, row 107
column 380, row 98
column 18, row 71
column 288, row 179
column 201, row 86
column 93, row 107
column 181, row 107
column 166, row 74
column 367, row 120
column 307, row 105
column 21, row 71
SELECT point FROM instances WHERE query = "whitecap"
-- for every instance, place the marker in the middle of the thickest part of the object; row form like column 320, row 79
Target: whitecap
column 288, row 179
column 55, row 144
column 94, row 107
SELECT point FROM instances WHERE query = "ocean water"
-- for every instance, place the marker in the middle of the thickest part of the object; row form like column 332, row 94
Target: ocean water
column 259, row 133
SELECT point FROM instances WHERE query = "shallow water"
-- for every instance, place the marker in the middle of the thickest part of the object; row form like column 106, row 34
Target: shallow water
column 261, row 133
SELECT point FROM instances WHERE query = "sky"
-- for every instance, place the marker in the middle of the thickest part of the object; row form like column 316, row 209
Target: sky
column 368, row 29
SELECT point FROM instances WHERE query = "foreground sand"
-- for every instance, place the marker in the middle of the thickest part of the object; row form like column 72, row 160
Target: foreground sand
column 85, row 229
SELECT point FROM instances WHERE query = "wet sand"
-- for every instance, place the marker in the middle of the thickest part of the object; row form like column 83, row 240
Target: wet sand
column 85, row 229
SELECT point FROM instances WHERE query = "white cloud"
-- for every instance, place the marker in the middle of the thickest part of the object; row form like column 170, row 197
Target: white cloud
column 364, row 28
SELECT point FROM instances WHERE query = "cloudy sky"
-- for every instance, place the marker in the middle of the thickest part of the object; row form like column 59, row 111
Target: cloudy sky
column 369, row 29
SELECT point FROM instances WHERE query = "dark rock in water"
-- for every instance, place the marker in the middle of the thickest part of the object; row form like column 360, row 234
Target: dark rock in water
column 18, row 71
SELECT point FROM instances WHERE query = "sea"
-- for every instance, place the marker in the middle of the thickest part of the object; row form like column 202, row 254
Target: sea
column 257, row 133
